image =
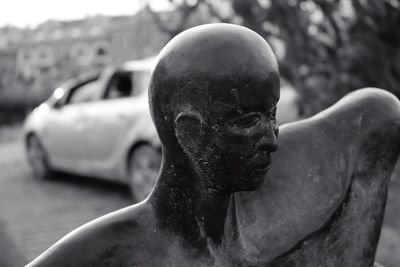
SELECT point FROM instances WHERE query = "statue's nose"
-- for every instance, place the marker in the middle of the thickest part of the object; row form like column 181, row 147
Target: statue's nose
column 268, row 141
column 268, row 145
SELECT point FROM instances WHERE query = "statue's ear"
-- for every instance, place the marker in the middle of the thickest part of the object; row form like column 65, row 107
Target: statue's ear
column 189, row 130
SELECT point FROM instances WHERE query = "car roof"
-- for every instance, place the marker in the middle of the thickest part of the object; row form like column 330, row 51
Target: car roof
column 133, row 65
column 139, row 65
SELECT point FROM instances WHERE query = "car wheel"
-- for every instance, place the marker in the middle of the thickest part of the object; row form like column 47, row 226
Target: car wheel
column 37, row 158
column 144, row 164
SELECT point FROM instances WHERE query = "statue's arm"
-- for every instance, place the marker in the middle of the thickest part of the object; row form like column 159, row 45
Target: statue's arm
column 351, row 235
column 320, row 163
column 65, row 253
column 105, row 241
column 75, row 249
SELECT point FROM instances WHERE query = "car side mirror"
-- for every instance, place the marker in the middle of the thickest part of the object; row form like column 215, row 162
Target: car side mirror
column 57, row 98
column 58, row 104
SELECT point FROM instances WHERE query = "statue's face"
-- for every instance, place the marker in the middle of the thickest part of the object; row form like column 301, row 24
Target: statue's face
column 241, row 136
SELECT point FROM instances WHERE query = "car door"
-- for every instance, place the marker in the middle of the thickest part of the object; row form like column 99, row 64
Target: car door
column 67, row 129
column 109, row 120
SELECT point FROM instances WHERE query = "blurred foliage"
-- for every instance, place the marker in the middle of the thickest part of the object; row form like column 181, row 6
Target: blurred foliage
column 326, row 48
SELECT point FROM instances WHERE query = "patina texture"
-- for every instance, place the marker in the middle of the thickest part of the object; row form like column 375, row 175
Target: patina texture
column 223, row 196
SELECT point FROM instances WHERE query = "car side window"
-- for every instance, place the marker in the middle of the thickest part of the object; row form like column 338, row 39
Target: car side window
column 141, row 80
column 120, row 85
column 83, row 93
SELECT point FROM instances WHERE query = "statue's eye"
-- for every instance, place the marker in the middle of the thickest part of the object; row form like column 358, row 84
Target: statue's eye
column 272, row 113
column 247, row 120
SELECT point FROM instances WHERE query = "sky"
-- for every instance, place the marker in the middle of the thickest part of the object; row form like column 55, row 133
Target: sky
column 23, row 13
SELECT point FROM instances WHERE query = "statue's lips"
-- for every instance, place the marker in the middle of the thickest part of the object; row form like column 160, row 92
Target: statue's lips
column 261, row 161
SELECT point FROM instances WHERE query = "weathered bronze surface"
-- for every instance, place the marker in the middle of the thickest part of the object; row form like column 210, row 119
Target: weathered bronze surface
column 218, row 200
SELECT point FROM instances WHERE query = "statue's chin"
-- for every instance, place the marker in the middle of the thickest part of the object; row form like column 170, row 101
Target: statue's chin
column 253, row 181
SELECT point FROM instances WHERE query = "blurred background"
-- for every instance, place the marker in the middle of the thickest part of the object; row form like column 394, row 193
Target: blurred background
column 325, row 49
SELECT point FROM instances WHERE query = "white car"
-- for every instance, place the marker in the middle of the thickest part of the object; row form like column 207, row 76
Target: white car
column 98, row 125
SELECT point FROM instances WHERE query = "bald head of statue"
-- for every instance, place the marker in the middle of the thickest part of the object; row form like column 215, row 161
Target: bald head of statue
column 213, row 97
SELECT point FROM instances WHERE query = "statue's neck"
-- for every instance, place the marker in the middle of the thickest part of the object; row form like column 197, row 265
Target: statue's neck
column 212, row 216
column 195, row 214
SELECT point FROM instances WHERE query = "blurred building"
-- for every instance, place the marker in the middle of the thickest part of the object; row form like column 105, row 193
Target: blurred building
column 7, row 66
column 94, row 41
column 137, row 37
column 54, row 51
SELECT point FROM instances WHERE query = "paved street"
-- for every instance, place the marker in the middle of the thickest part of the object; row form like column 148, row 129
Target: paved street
column 37, row 213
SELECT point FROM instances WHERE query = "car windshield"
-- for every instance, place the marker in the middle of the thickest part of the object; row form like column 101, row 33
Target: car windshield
column 83, row 93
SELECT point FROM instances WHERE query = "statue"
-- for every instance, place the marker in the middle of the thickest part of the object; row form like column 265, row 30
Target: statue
column 218, row 200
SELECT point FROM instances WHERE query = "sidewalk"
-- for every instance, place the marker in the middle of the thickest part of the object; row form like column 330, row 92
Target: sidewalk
column 37, row 213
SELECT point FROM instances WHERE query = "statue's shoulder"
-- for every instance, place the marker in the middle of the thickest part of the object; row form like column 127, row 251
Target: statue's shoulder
column 374, row 99
column 371, row 105
column 116, row 239
column 358, row 113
